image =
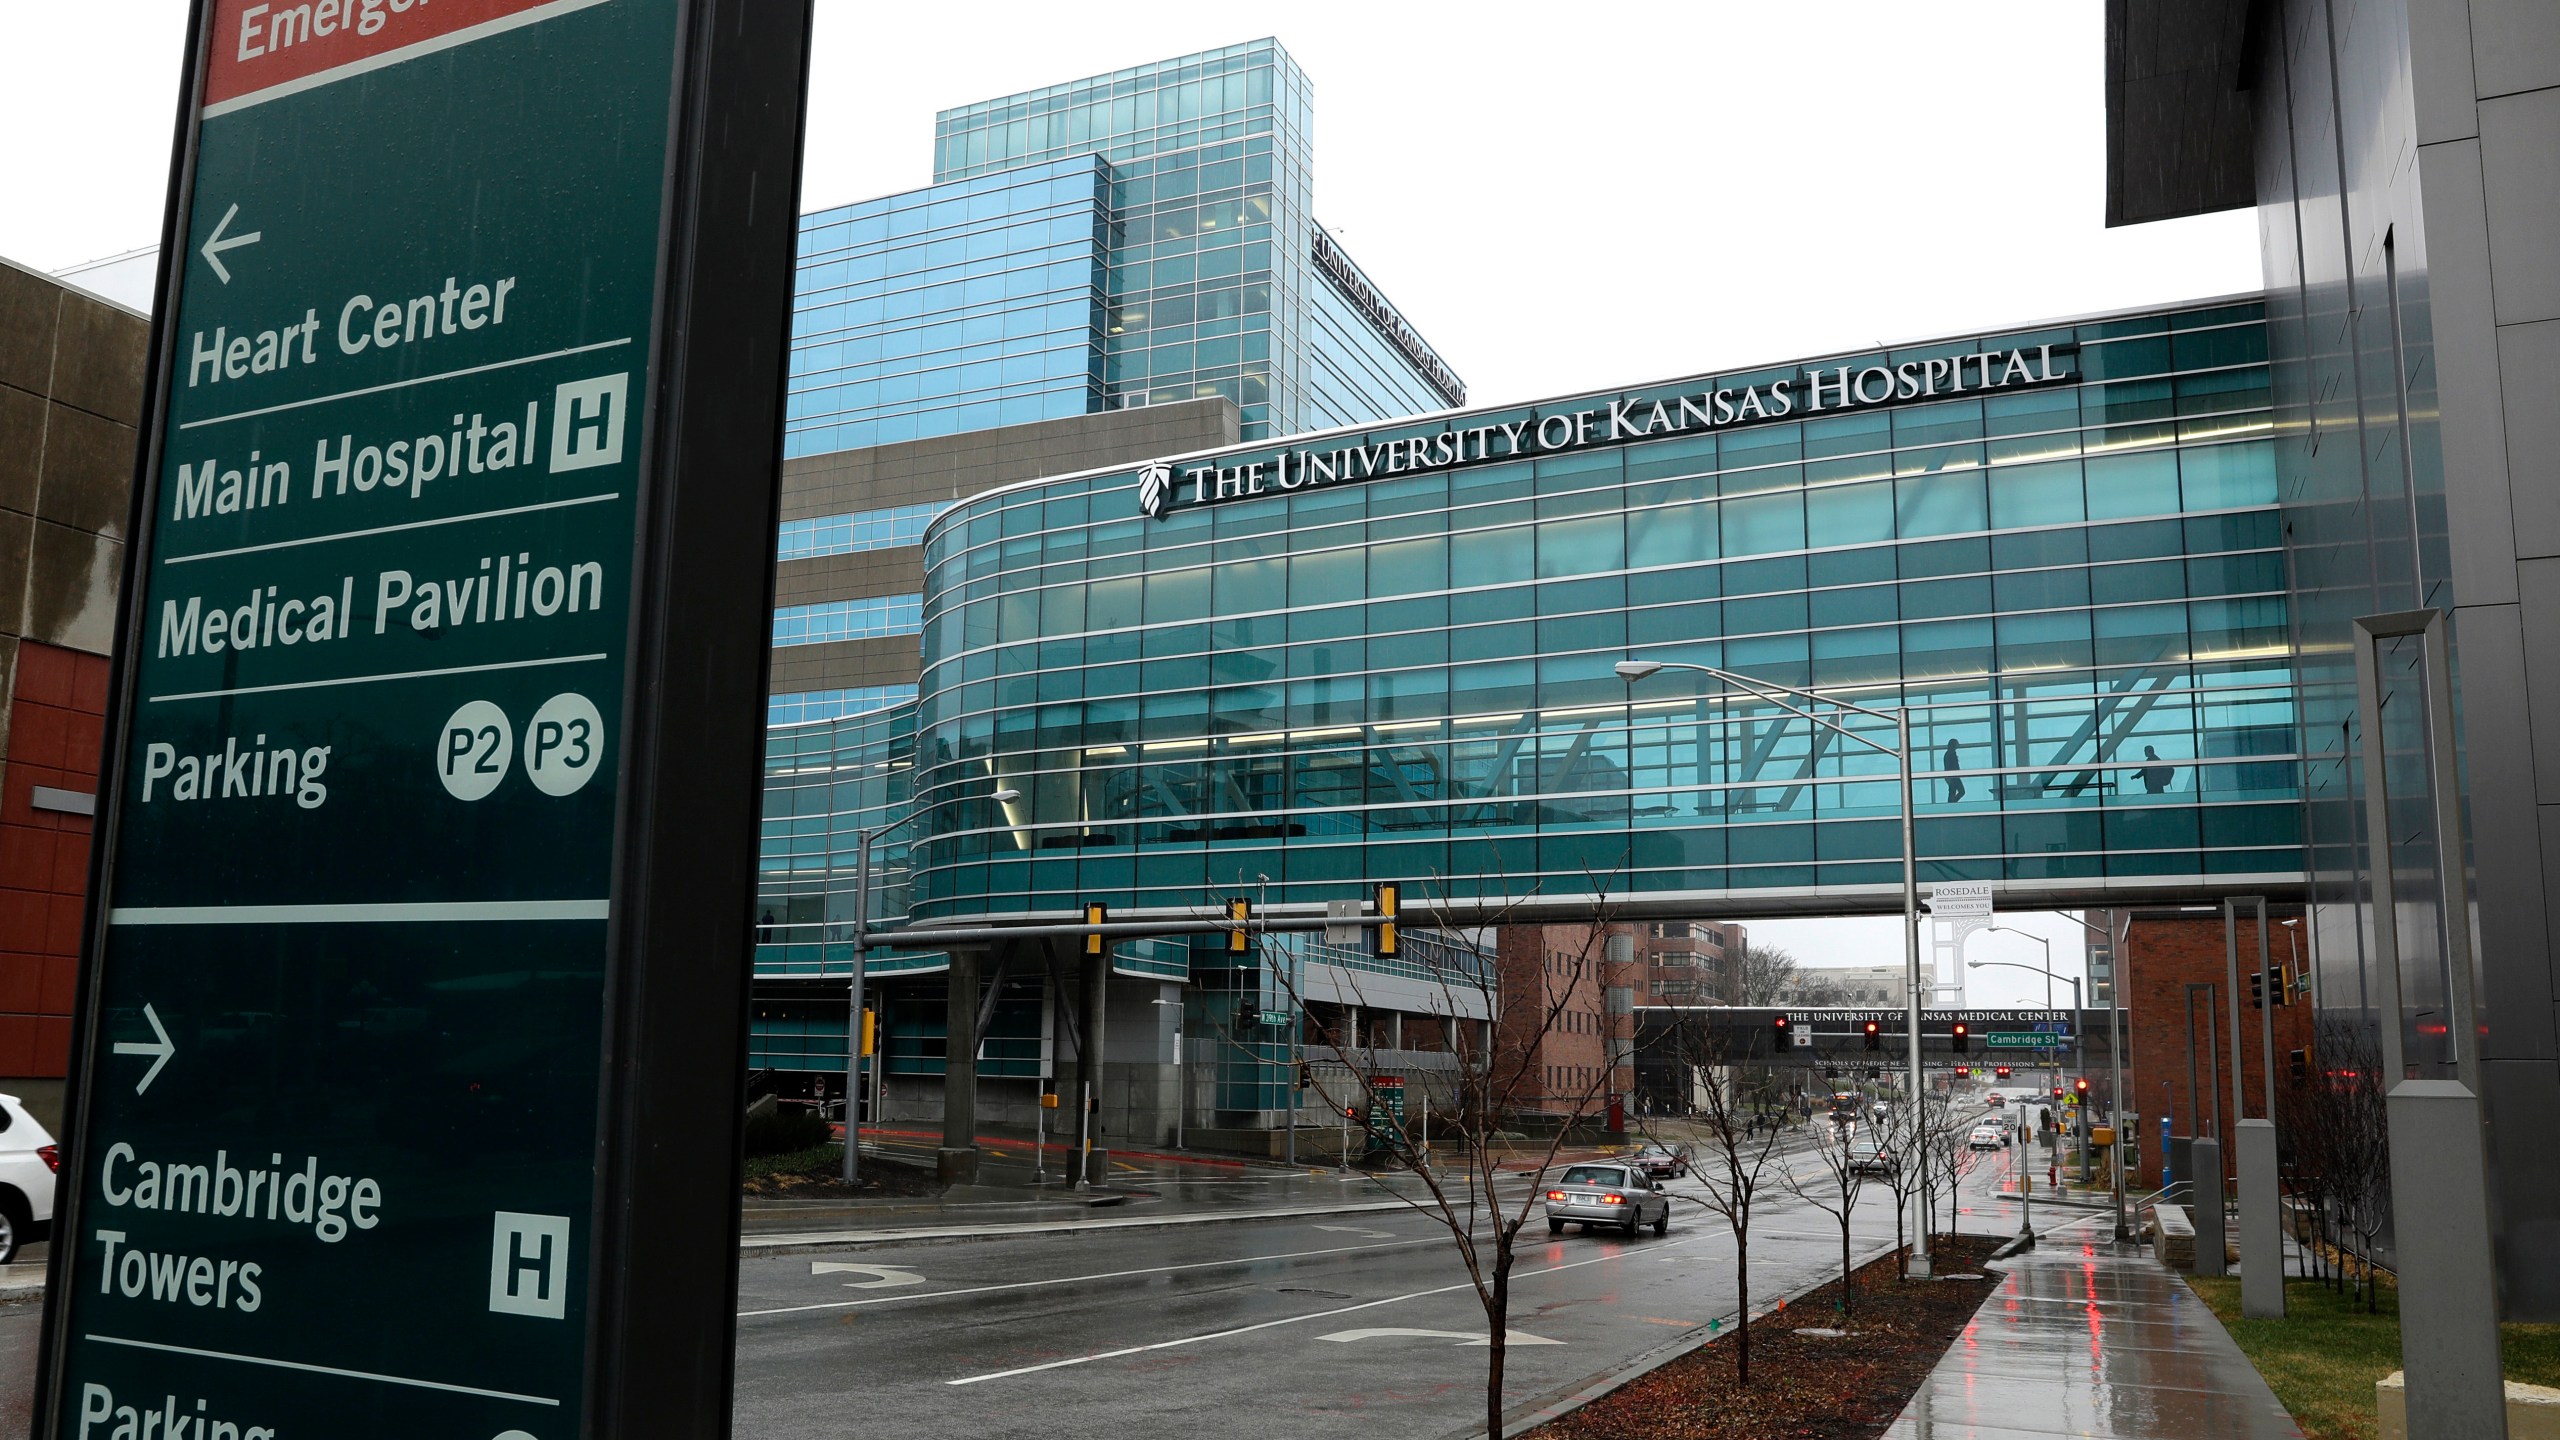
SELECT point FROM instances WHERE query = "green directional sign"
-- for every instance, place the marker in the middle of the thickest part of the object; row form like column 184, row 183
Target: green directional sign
column 2026, row 1040
column 340, row 1164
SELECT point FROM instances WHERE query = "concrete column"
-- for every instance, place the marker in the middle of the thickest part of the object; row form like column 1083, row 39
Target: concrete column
column 2261, row 1223
column 1090, row 1010
column 957, row 1161
column 2207, row 1154
column 2447, row 1263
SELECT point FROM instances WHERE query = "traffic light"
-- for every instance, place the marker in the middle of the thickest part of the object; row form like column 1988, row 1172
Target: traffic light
column 1875, row 1035
column 2283, row 984
column 1306, row 1075
column 1781, row 1026
column 2257, row 989
column 2080, row 1088
column 2057, row 1092
column 1094, row 915
column 1384, row 939
column 2000, row 1072
column 1239, row 926
column 2297, row 1065
column 1963, row 1039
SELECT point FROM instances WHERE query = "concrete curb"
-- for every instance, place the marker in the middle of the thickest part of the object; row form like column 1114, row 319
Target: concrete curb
column 811, row 1242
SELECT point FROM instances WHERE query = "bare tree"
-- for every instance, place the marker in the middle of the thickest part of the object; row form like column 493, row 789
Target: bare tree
column 2358, row 1139
column 1739, row 1138
column 1946, row 1151
column 1481, row 1178
column 1833, row 1190
column 1762, row 975
column 1900, row 1136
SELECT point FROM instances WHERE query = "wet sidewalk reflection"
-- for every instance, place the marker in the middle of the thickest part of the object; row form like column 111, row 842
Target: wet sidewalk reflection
column 2082, row 1341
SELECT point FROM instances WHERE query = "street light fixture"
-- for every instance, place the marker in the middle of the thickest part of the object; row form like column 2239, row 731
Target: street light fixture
column 1768, row 692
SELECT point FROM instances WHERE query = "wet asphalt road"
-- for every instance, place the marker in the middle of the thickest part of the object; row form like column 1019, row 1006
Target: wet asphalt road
column 1147, row 1333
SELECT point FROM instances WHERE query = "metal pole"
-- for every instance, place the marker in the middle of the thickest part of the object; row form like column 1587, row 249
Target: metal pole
column 1297, row 1052
column 2115, row 1063
column 2231, row 965
column 1911, row 969
column 853, row 1011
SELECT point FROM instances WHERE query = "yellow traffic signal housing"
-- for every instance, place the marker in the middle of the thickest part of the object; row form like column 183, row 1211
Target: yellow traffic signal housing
column 1383, row 940
column 1239, row 926
column 1095, row 914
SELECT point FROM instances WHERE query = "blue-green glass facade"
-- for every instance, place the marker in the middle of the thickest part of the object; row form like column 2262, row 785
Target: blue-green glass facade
column 2076, row 589
column 1119, row 240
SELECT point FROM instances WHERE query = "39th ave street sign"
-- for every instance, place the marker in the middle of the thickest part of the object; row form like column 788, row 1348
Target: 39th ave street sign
column 422, row 890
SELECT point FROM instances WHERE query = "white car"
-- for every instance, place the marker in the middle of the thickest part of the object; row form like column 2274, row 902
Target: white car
column 28, row 1162
column 1989, row 1135
column 1618, row 1196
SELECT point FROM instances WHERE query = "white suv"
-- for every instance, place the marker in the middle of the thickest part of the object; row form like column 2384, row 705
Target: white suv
column 28, row 1162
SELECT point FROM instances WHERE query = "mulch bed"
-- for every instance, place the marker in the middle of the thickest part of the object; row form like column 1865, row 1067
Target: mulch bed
column 1804, row 1387
column 817, row 1175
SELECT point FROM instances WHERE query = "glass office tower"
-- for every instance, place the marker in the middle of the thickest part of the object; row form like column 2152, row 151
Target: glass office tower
column 1117, row 241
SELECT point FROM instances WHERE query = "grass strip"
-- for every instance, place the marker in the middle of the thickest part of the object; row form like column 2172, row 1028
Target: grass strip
column 2325, row 1356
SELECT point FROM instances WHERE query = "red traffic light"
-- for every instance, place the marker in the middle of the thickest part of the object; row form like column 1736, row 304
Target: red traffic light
column 2081, row 1085
column 1781, row 1024
column 2002, row 1072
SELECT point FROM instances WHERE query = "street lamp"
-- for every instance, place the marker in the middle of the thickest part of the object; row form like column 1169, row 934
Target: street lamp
column 2118, row 942
column 2046, row 969
column 2055, row 1060
column 1632, row 670
column 862, row 843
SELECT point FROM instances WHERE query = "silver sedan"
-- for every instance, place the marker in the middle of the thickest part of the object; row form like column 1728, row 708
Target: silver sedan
column 1615, row 1195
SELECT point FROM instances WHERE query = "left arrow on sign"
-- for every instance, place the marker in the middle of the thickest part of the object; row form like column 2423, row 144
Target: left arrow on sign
column 214, row 244
column 160, row 1049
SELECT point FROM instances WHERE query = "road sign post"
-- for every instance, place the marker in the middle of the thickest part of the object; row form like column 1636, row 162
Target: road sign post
column 410, row 1038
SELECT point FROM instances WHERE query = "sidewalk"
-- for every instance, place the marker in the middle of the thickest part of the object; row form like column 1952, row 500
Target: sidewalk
column 2080, row 1340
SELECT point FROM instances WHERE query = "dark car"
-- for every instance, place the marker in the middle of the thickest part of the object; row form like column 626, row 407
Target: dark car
column 1662, row 1161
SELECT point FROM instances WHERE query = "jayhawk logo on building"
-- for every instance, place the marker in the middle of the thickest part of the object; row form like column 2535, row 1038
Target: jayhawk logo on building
column 1155, row 486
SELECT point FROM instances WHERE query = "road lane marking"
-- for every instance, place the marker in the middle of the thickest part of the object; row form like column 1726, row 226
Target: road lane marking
column 1103, row 1275
column 1464, row 1338
column 319, row 1369
column 1286, row 1320
column 883, row 1277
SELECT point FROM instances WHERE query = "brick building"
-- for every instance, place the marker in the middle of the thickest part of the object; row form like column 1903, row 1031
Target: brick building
column 70, row 398
column 1686, row 962
column 1566, row 1027
column 2166, row 952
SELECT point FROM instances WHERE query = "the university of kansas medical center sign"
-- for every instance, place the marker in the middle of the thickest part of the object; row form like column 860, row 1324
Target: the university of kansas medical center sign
column 1164, row 486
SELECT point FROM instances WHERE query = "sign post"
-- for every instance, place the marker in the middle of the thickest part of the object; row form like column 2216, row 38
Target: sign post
column 428, row 803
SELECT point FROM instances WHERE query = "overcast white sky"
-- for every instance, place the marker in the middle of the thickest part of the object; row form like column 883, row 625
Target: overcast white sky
column 1557, row 197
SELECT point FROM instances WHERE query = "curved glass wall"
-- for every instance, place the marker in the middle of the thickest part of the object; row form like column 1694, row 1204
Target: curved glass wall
column 2076, row 588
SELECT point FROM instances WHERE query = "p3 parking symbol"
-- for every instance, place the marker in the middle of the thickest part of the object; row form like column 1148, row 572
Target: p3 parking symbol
column 563, row 744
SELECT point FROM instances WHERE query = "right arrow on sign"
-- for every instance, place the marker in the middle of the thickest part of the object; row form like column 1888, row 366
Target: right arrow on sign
column 160, row 1049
